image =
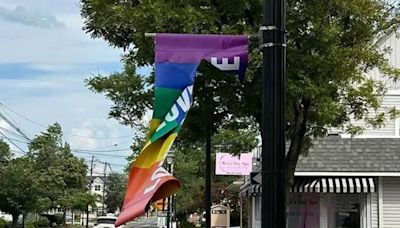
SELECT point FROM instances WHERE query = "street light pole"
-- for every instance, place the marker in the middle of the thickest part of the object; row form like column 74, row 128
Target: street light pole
column 170, row 161
column 169, row 203
column 273, row 46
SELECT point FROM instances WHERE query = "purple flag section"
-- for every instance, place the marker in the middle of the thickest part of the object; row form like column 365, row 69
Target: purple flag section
column 226, row 52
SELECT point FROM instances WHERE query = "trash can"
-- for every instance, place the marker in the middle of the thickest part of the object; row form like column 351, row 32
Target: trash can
column 220, row 216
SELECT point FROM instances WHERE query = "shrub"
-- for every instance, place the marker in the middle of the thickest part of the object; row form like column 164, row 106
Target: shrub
column 59, row 219
column 30, row 225
column 3, row 223
column 42, row 222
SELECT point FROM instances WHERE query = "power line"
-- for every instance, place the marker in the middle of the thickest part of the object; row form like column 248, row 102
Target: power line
column 117, row 165
column 5, row 130
column 72, row 149
column 65, row 133
column 98, row 154
column 17, row 140
column 112, row 164
column 1, row 133
column 104, row 151
column 14, row 126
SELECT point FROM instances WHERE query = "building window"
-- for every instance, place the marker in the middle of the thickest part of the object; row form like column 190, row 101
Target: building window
column 348, row 211
column 97, row 187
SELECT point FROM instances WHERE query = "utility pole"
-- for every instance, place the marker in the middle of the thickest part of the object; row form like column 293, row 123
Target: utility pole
column 90, row 190
column 169, row 202
column 104, row 186
column 273, row 46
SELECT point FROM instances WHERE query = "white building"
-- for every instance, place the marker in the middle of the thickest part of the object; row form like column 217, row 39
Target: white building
column 347, row 182
column 97, row 188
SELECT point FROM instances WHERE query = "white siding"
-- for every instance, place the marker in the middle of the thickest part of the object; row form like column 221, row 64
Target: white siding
column 391, row 202
column 389, row 130
column 390, row 99
column 393, row 43
column 374, row 210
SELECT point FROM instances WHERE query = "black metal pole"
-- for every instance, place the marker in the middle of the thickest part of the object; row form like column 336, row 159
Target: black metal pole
column 273, row 47
column 208, row 178
column 90, row 191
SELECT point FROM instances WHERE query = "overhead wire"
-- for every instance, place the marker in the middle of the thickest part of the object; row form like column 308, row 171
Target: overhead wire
column 44, row 126
column 17, row 140
column 27, row 140
column 12, row 142
column 100, row 151
column 5, row 130
column 103, row 155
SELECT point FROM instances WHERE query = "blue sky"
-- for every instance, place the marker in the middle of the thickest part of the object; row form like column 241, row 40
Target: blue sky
column 44, row 59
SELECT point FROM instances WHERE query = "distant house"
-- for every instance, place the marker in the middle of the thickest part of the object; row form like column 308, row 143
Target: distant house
column 343, row 182
column 97, row 187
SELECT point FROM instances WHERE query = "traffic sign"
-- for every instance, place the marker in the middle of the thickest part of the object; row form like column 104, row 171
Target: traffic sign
column 255, row 178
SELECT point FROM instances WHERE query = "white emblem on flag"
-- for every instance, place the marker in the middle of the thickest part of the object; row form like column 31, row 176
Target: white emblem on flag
column 225, row 65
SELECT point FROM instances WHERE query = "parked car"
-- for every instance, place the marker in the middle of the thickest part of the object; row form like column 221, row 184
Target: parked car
column 106, row 222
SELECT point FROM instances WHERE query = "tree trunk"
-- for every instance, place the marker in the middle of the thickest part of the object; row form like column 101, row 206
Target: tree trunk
column 298, row 140
column 23, row 219
column 64, row 216
column 14, row 223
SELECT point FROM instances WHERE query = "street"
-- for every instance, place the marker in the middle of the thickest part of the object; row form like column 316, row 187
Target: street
column 144, row 222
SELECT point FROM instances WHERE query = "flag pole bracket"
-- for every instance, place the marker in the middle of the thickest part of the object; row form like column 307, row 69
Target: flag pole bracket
column 271, row 29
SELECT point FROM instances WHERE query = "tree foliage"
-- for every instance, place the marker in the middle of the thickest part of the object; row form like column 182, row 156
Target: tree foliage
column 49, row 175
column 5, row 153
column 330, row 49
column 115, row 192
column 58, row 171
column 18, row 188
column 189, row 169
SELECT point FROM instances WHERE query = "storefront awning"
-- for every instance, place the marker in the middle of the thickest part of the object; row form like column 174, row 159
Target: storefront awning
column 323, row 185
column 252, row 190
column 334, row 185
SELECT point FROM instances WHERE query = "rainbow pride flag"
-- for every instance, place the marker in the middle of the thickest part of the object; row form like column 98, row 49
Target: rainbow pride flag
column 176, row 60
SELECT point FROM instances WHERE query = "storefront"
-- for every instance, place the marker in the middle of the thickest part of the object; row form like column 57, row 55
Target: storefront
column 323, row 202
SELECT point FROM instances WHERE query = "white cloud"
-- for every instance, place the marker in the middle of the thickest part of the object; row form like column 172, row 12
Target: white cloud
column 69, row 45
column 68, row 56
column 86, row 141
column 22, row 15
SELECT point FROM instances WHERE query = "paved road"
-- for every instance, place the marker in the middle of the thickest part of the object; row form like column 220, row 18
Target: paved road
column 150, row 222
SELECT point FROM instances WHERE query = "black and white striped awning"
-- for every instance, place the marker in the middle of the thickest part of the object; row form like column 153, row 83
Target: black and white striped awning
column 323, row 185
column 252, row 190
column 334, row 185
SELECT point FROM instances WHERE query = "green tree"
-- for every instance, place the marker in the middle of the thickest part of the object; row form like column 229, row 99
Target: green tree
column 189, row 169
column 58, row 171
column 115, row 192
column 330, row 48
column 5, row 154
column 78, row 200
column 19, row 188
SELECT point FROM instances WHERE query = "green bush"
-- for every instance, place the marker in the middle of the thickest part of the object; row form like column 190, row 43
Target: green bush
column 30, row 225
column 42, row 222
column 186, row 224
column 59, row 219
column 3, row 223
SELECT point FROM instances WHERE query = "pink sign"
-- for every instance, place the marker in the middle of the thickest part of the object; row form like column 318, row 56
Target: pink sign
column 227, row 164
